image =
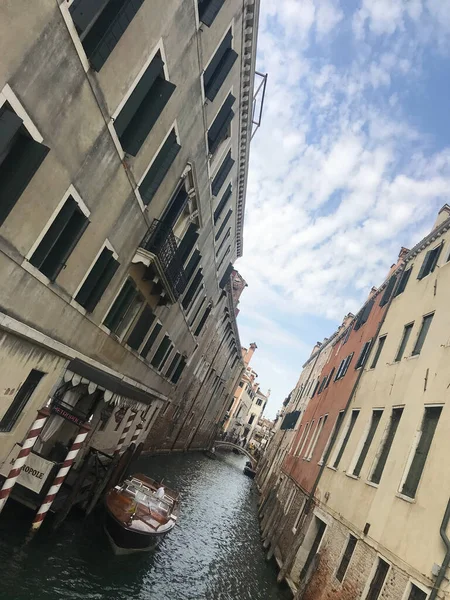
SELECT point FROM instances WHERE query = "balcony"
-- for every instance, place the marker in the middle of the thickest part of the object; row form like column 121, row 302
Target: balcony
column 159, row 252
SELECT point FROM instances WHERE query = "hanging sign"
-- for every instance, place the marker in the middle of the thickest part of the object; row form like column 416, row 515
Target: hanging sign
column 33, row 474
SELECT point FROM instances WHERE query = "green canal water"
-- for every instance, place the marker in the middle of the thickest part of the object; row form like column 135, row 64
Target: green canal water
column 214, row 553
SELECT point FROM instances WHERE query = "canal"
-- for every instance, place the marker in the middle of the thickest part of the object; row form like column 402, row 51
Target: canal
column 214, row 553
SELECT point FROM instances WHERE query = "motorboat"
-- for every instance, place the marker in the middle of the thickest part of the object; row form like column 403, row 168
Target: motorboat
column 140, row 512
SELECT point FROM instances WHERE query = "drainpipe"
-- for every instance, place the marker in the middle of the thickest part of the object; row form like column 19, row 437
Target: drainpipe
column 446, row 561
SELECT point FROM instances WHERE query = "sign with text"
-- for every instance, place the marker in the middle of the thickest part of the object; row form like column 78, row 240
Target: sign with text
column 33, row 474
column 67, row 412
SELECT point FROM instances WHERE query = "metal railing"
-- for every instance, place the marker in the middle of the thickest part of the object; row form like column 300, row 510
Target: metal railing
column 161, row 241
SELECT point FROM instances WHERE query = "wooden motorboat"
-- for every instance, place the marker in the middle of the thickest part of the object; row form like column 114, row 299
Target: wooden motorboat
column 140, row 512
column 249, row 470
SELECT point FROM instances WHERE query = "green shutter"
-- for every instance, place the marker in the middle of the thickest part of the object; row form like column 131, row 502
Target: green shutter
column 403, row 282
column 208, row 10
column 192, row 289
column 226, row 276
column 97, row 281
column 187, row 243
column 159, row 168
column 10, row 124
column 212, row 89
column 83, row 12
column 223, row 201
column 151, row 340
column 218, row 57
column 159, row 354
column 121, row 305
column 192, row 264
column 224, row 223
column 175, row 207
column 141, row 328
column 388, row 290
column 202, row 321
column 179, row 370
column 424, row 266
column 173, row 364
column 222, row 174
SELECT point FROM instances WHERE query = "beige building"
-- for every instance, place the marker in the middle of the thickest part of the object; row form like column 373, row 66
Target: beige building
column 124, row 144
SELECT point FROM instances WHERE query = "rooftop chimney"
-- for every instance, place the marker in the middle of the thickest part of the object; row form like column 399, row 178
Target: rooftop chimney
column 443, row 214
column 247, row 356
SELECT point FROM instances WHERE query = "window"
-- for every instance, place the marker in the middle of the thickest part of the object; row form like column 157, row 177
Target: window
column 100, row 24
column 259, row 402
column 334, row 431
column 386, row 445
column 20, row 157
column 424, row 440
column 406, row 333
column 319, row 527
column 189, row 295
column 330, row 377
column 97, row 280
column 161, row 352
column 388, row 290
column 403, row 282
column 141, row 328
column 144, row 106
column 378, row 579
column 223, row 202
column 241, row 384
column 416, row 593
column 219, row 67
column 320, row 426
column 301, row 444
column 159, row 168
column 178, row 371
column 299, row 516
column 220, row 126
column 124, row 309
column 322, row 385
column 430, row 261
column 343, row 367
column 192, row 265
column 60, row 239
column 347, row 435
column 208, row 10
column 251, row 419
column 346, row 558
column 363, row 315
column 426, row 322
column 223, row 225
column 151, row 340
column 202, row 321
column 374, row 422
column 316, row 385
column 381, row 342
column 21, row 399
column 173, row 364
column 363, row 355
column 222, row 174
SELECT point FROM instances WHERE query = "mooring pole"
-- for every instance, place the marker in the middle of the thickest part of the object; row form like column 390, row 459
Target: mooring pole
column 125, row 431
column 22, row 457
column 60, row 477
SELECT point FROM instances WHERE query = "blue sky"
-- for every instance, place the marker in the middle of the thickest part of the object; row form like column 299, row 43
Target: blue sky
column 352, row 161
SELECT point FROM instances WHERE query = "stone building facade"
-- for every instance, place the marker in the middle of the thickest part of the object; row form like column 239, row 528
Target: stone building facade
column 124, row 145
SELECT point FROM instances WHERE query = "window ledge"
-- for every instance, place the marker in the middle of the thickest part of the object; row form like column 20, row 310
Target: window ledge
column 405, row 498
column 412, row 357
column 331, row 467
column 352, row 476
column 372, row 484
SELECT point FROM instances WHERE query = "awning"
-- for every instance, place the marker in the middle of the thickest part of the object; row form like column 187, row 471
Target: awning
column 120, row 392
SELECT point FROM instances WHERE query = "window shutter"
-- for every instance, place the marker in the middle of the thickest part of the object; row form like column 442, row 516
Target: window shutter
column 83, row 12
column 208, row 10
column 22, row 397
column 114, row 32
column 138, row 95
column 216, row 82
column 192, row 264
column 424, row 265
column 388, row 290
column 226, row 196
column 187, row 243
column 226, row 276
column 173, row 364
column 53, row 233
column 146, row 116
column 10, row 124
column 97, row 280
column 192, row 289
column 222, row 227
column 17, row 170
column 436, row 254
column 202, row 321
column 222, row 174
column 364, row 314
column 79, row 223
column 175, row 208
column 403, row 282
column 221, row 117
column 218, row 57
column 120, row 306
column 151, row 340
column 159, row 354
column 179, row 370
column 159, row 168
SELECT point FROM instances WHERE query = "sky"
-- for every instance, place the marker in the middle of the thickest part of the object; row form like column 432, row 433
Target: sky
column 351, row 162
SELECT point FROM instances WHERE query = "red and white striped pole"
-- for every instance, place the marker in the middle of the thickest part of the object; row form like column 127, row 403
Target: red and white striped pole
column 62, row 474
column 22, row 457
column 125, row 431
column 137, row 432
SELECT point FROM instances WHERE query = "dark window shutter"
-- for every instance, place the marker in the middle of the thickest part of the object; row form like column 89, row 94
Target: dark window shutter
column 114, row 32
column 403, row 282
column 159, row 168
column 202, row 321
column 138, row 95
column 179, row 370
column 146, row 116
column 165, row 357
column 151, row 339
column 388, row 290
column 214, row 64
column 217, row 124
column 192, row 289
column 160, row 352
column 222, row 227
column 22, row 397
column 192, row 264
column 222, row 174
column 226, row 276
column 83, row 12
column 10, row 124
column 17, row 170
column 97, row 281
column 208, row 10
column 436, row 254
column 424, row 266
column 364, row 314
column 187, row 243
column 173, row 364
column 120, row 306
column 223, row 201
column 53, row 233
column 220, row 75
column 141, row 328
column 176, row 206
